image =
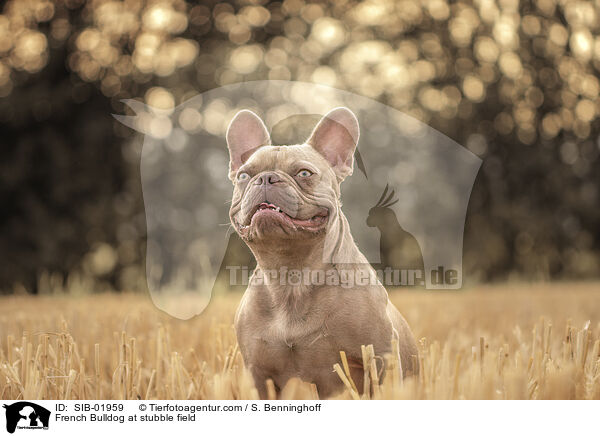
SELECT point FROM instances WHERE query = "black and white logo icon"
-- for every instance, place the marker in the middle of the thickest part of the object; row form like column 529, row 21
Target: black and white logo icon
column 26, row 415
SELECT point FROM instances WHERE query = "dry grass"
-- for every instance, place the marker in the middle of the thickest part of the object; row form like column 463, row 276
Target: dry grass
column 506, row 342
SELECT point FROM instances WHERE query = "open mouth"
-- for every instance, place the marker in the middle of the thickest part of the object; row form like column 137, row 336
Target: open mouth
column 272, row 211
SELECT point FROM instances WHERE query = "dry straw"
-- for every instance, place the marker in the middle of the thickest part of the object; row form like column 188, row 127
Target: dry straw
column 129, row 350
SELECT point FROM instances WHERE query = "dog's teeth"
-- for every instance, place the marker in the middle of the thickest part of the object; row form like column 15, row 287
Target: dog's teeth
column 278, row 209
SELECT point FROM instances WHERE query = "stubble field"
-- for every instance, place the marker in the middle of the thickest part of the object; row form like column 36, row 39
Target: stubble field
column 496, row 342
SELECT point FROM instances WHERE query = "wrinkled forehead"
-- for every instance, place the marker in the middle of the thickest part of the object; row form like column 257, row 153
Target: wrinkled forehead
column 281, row 157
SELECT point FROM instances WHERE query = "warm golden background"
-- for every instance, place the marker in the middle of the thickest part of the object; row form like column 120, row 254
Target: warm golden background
column 514, row 82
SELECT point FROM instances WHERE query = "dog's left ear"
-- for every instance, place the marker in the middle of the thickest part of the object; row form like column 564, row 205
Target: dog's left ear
column 336, row 137
column 246, row 133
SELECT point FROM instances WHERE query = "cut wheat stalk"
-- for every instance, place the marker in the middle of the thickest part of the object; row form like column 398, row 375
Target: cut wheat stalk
column 271, row 392
column 366, row 366
column 347, row 370
column 340, row 372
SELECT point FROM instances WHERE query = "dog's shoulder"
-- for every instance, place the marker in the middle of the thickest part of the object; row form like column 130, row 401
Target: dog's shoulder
column 357, row 314
column 252, row 305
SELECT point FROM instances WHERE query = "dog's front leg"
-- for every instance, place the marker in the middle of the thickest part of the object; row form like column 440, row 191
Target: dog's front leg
column 261, row 377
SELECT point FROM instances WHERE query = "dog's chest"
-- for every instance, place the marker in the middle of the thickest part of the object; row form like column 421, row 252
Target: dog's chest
column 285, row 331
column 292, row 345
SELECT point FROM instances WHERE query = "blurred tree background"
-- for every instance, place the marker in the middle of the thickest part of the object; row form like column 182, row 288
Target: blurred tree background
column 514, row 82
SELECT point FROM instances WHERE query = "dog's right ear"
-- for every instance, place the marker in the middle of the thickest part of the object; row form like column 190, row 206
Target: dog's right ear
column 245, row 134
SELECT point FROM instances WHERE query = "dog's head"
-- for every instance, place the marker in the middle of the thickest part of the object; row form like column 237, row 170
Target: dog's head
column 288, row 192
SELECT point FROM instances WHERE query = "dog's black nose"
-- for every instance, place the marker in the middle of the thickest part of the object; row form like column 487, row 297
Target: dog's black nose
column 268, row 179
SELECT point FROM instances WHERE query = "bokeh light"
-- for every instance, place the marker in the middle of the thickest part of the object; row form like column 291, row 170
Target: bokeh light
column 514, row 82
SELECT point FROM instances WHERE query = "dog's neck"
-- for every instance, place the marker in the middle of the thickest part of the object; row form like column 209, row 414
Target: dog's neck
column 326, row 253
column 284, row 255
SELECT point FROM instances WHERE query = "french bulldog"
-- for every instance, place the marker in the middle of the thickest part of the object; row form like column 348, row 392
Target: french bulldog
column 286, row 207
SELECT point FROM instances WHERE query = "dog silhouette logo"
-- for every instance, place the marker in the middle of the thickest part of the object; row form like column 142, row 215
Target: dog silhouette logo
column 26, row 415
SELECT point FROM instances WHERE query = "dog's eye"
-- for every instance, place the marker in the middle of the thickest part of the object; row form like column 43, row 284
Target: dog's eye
column 304, row 173
column 242, row 177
